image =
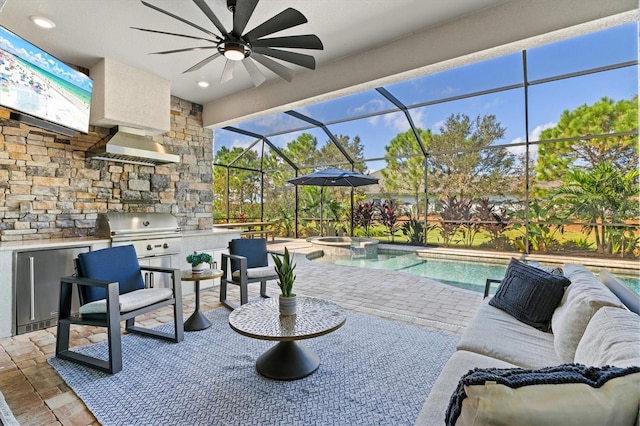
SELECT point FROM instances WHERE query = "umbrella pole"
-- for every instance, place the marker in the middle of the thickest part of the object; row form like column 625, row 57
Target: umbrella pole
column 321, row 197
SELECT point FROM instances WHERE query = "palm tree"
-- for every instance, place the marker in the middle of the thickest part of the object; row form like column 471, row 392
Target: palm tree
column 601, row 196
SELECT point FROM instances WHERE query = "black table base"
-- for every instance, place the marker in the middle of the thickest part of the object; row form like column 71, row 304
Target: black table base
column 288, row 360
column 196, row 322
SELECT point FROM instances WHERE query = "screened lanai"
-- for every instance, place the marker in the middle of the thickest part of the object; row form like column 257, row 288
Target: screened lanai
column 532, row 151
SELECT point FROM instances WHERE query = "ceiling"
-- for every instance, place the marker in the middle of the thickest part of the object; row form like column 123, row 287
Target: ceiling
column 366, row 42
column 88, row 30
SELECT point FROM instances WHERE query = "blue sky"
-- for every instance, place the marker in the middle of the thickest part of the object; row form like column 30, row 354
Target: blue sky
column 547, row 101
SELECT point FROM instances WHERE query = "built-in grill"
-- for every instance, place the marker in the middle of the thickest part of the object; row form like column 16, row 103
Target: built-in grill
column 155, row 236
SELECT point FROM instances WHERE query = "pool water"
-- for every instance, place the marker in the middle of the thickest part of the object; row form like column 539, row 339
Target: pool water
column 462, row 274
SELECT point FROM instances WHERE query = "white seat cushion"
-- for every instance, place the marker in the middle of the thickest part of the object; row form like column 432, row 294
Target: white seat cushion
column 130, row 301
column 254, row 273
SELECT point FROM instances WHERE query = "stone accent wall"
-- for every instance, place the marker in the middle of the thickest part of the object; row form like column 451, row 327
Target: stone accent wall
column 49, row 190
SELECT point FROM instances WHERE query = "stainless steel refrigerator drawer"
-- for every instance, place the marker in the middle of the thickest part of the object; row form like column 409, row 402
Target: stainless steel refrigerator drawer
column 37, row 285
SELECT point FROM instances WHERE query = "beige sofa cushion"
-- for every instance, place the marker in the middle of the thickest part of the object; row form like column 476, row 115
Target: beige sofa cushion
column 461, row 362
column 611, row 338
column 580, row 302
column 495, row 333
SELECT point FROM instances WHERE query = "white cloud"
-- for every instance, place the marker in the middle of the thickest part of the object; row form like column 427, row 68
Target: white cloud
column 448, row 91
column 520, row 149
column 535, row 133
column 246, row 143
column 493, row 103
column 435, row 127
column 533, row 136
column 374, row 105
column 396, row 121
column 417, row 115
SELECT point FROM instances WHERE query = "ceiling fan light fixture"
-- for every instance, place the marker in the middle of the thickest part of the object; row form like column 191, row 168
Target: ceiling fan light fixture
column 235, row 51
column 236, row 45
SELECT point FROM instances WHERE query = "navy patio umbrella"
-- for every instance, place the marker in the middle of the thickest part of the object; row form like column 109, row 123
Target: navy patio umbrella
column 332, row 177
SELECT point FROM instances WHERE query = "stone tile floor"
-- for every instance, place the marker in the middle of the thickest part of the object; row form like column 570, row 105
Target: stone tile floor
column 37, row 395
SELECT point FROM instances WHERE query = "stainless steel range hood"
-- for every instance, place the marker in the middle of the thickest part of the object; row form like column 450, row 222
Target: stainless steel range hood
column 129, row 145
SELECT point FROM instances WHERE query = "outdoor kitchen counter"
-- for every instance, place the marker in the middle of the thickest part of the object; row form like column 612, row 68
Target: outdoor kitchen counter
column 210, row 240
column 52, row 243
column 7, row 250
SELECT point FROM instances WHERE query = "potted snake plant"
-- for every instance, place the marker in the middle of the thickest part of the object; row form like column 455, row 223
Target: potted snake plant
column 284, row 267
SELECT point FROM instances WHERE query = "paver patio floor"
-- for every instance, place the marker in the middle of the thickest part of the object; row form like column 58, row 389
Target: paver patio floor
column 38, row 396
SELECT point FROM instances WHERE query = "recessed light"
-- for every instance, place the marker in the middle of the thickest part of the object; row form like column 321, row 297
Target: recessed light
column 203, row 83
column 43, row 22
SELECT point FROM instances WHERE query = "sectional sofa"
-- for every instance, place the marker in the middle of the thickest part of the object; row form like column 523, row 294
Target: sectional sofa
column 590, row 327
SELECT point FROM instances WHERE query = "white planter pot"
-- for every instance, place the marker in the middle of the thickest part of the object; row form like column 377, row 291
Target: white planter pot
column 199, row 268
column 288, row 305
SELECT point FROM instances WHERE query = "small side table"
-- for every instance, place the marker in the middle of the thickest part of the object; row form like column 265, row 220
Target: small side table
column 197, row 321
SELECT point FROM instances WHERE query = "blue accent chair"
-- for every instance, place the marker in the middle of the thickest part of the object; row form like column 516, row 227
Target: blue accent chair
column 247, row 262
column 111, row 289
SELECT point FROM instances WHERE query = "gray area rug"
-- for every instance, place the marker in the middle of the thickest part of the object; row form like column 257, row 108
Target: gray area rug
column 373, row 372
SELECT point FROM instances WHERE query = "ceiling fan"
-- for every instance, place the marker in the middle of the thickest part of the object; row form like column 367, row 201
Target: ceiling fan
column 238, row 47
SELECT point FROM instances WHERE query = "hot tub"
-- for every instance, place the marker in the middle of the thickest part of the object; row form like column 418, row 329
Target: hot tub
column 346, row 246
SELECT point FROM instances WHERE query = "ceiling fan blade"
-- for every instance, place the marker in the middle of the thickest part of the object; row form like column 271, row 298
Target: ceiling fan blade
column 227, row 72
column 286, row 19
column 188, row 49
column 243, row 11
column 204, row 7
column 277, row 68
column 180, row 19
column 308, row 41
column 202, row 63
column 303, row 60
column 256, row 76
column 175, row 34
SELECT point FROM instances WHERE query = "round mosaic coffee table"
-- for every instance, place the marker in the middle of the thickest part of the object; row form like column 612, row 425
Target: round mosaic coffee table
column 288, row 359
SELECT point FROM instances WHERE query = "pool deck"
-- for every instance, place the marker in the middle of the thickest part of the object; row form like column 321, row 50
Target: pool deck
column 37, row 395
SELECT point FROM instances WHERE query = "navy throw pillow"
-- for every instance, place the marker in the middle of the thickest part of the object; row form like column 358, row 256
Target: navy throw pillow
column 529, row 294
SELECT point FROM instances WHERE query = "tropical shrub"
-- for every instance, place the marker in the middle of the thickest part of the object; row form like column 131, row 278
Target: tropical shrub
column 363, row 215
column 455, row 216
column 414, row 230
column 494, row 222
column 389, row 217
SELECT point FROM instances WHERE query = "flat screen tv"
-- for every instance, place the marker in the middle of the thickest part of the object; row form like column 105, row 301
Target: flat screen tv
column 42, row 90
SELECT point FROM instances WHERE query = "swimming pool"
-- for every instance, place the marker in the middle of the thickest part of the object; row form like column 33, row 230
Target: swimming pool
column 462, row 274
